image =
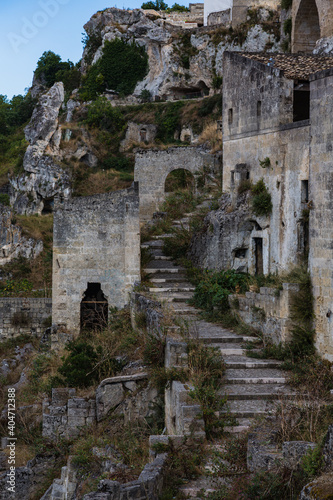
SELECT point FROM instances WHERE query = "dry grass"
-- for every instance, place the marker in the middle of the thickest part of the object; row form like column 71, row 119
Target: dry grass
column 103, row 182
column 212, row 137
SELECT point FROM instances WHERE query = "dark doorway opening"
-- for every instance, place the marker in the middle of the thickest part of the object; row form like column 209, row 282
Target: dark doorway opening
column 258, row 254
column 48, row 206
column 301, row 106
column 94, row 308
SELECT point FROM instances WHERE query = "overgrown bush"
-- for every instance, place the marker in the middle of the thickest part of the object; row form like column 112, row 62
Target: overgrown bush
column 121, row 66
column 168, row 121
column 262, row 200
column 101, row 114
column 214, row 288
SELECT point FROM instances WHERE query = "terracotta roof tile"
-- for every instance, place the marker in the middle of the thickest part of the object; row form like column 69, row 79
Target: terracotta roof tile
column 294, row 66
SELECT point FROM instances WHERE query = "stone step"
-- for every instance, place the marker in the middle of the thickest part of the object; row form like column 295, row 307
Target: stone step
column 153, row 244
column 175, row 296
column 245, row 362
column 162, row 236
column 231, row 338
column 165, row 264
column 183, row 309
column 231, row 350
column 167, row 278
column 156, row 270
column 161, row 257
column 254, row 376
column 249, row 408
column 178, row 289
column 254, row 392
column 243, row 425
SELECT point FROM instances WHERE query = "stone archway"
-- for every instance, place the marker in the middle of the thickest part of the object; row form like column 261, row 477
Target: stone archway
column 311, row 20
column 152, row 167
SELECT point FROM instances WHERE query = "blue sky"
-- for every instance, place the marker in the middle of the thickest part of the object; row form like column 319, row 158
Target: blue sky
column 29, row 27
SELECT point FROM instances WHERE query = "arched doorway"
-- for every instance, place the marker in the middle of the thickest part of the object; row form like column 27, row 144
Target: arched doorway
column 179, row 178
column 306, row 29
column 94, row 308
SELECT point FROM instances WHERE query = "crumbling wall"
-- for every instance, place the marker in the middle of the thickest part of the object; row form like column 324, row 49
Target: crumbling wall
column 96, row 240
column 65, row 415
column 153, row 166
column 321, row 213
column 23, row 315
column 268, row 311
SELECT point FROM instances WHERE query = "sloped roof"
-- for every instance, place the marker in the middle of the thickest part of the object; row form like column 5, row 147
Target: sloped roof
column 294, row 66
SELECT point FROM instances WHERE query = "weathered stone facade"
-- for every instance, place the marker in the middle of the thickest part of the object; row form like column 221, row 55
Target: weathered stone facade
column 266, row 137
column 23, row 315
column 96, row 243
column 267, row 311
column 321, row 213
column 152, row 167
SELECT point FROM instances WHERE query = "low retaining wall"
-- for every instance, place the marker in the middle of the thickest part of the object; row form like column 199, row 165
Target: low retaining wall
column 23, row 315
column 268, row 311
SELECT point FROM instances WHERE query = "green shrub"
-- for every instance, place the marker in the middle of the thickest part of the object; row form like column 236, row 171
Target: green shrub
column 287, row 26
column 168, row 121
column 51, row 69
column 86, row 365
column 262, row 200
column 119, row 163
column 157, row 5
column 4, row 199
column 101, row 114
column 121, row 66
column 214, row 288
column 286, row 4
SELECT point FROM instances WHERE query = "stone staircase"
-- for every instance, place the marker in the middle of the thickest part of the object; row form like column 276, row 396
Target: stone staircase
column 253, row 386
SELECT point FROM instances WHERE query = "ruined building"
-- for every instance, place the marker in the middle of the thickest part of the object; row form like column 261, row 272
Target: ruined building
column 96, row 257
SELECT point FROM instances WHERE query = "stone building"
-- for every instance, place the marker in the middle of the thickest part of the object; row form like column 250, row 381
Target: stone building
column 96, row 257
column 152, row 168
column 277, row 127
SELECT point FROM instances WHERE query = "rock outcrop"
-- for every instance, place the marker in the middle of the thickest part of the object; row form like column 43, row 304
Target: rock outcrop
column 12, row 243
column 43, row 178
column 167, row 46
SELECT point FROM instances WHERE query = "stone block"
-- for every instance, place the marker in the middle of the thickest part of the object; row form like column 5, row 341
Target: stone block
column 108, row 397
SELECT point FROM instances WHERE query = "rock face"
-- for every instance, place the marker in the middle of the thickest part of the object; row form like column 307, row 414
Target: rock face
column 12, row 243
column 324, row 47
column 226, row 232
column 34, row 190
column 166, row 47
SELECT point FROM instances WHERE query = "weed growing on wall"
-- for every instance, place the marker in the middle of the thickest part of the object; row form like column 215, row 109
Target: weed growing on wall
column 262, row 200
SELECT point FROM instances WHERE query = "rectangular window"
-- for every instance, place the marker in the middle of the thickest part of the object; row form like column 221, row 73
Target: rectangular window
column 305, row 191
column 230, row 116
column 258, row 109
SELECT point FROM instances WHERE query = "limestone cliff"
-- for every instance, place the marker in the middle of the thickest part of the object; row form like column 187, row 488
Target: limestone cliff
column 178, row 58
column 42, row 178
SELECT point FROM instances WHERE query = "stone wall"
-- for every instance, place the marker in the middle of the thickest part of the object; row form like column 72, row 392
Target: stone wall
column 65, row 415
column 23, row 315
column 311, row 20
column 258, row 128
column 221, row 17
column 153, row 166
column 261, row 100
column 240, row 8
column 321, row 215
column 268, row 311
column 96, row 240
